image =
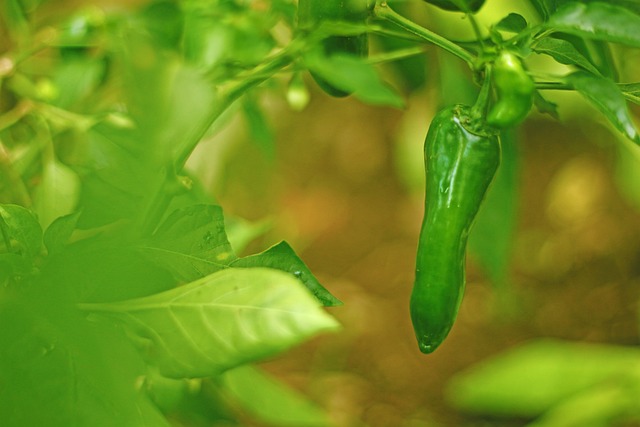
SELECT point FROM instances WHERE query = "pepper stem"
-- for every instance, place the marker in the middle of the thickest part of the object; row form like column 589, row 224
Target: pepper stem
column 479, row 109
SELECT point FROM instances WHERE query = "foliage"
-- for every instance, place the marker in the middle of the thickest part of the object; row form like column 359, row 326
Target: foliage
column 124, row 295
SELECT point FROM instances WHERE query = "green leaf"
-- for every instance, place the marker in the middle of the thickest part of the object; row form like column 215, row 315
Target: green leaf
column 491, row 237
column 259, row 128
column 606, row 97
column 104, row 267
column 283, row 257
column 15, row 19
column 545, row 106
column 600, row 21
column 58, row 233
column 241, row 232
column 564, row 52
column 58, row 192
column 190, row 243
column 533, row 378
column 353, row 75
column 221, row 321
column 512, row 23
column 270, row 401
column 542, row 7
column 57, row 369
column 605, row 404
column 631, row 91
column 21, row 230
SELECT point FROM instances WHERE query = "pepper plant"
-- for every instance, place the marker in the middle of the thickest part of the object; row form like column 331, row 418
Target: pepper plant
column 124, row 298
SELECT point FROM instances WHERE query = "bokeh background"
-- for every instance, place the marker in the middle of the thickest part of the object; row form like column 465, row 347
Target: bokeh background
column 335, row 190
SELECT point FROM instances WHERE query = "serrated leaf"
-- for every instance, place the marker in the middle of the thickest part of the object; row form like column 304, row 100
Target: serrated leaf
column 221, row 321
column 282, row 257
column 58, row 233
column 597, row 20
column 22, row 230
column 564, row 52
column 606, row 97
column 534, row 377
column 271, row 401
column 354, row 75
column 513, row 23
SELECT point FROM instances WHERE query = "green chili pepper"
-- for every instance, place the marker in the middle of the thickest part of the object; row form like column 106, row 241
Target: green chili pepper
column 313, row 12
column 514, row 91
column 458, row 5
column 461, row 158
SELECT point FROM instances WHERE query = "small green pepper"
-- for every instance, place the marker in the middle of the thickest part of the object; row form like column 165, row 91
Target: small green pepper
column 461, row 158
column 458, row 5
column 514, row 91
column 311, row 13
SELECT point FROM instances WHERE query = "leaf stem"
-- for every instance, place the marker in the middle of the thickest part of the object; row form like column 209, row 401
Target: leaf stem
column 395, row 55
column 476, row 29
column 553, row 86
column 382, row 10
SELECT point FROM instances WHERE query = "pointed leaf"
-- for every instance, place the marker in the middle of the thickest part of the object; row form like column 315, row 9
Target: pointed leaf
column 353, row 75
column 599, row 21
column 221, row 321
column 564, row 52
column 283, row 257
column 57, row 194
column 58, row 233
column 512, row 23
column 608, row 98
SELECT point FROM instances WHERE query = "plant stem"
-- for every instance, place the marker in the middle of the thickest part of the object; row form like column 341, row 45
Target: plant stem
column 382, row 10
column 230, row 93
column 227, row 96
column 479, row 109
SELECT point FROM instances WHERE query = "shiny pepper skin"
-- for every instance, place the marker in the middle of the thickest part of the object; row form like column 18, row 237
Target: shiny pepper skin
column 312, row 13
column 461, row 159
column 458, row 5
column 514, row 91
